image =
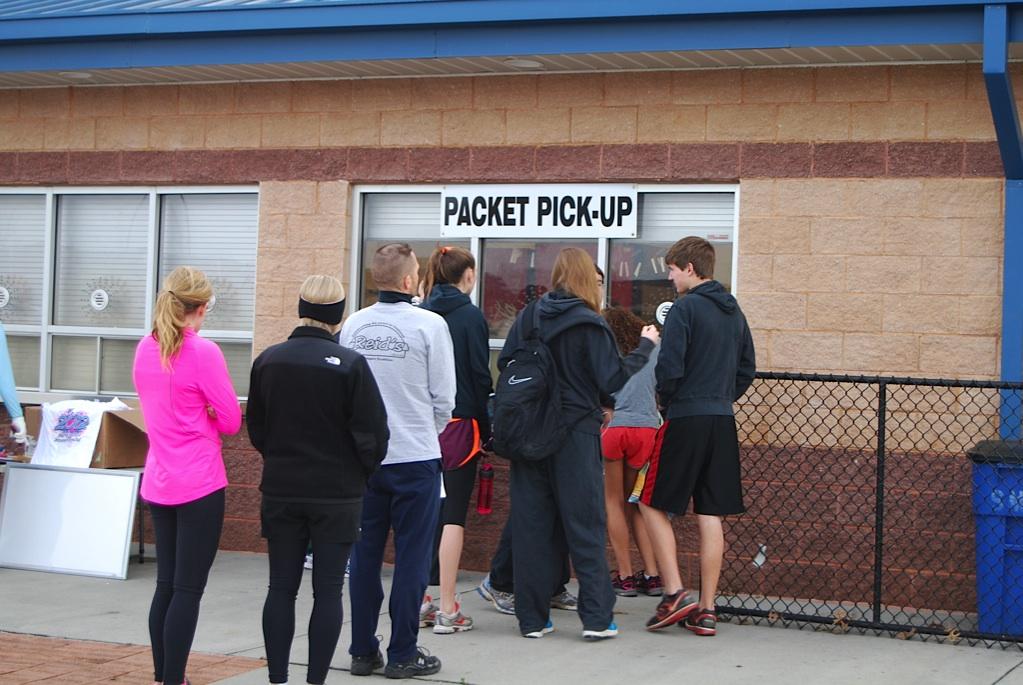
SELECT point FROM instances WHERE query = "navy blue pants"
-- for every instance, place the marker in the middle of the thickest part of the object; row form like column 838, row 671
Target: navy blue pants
column 569, row 484
column 405, row 497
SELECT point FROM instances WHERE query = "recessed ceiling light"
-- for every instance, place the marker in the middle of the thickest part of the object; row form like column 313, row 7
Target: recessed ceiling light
column 77, row 75
column 519, row 63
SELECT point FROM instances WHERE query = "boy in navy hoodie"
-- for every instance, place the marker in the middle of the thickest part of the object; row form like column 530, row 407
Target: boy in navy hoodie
column 705, row 364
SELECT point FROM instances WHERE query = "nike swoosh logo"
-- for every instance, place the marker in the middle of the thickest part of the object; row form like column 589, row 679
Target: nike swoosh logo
column 515, row 381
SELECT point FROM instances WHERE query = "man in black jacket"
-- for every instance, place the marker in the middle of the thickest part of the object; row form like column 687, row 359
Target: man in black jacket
column 706, row 363
column 316, row 416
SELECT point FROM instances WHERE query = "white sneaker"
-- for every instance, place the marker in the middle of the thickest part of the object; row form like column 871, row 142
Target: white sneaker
column 549, row 628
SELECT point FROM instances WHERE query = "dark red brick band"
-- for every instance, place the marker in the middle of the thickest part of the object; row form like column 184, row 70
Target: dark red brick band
column 642, row 162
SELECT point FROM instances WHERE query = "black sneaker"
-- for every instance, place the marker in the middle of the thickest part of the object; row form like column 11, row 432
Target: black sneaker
column 672, row 609
column 703, row 622
column 365, row 665
column 419, row 665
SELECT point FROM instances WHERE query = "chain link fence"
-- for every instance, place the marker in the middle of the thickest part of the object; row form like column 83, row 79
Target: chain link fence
column 879, row 504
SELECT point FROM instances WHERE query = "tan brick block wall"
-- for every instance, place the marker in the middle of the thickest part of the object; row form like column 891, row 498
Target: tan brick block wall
column 321, row 96
column 259, row 98
column 69, row 134
column 672, row 123
column 20, row 134
column 863, row 84
column 535, row 126
column 888, row 121
column 442, row 93
column 777, row 85
column 638, row 88
column 381, row 94
column 813, row 121
column 176, row 132
column 960, row 119
column 303, row 229
column 206, row 99
column 604, row 124
column 122, row 133
column 291, row 130
column 938, row 82
column 716, row 86
column 97, row 102
column 415, row 127
column 958, row 355
column 43, row 102
column 872, row 353
column 239, row 131
column 886, row 283
column 501, row 92
column 570, row 90
column 148, row 101
column 482, row 127
column 350, row 128
column 754, row 123
column 843, row 312
column 805, row 351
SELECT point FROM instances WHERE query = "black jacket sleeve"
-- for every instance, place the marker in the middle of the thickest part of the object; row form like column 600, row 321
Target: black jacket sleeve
column 671, row 362
column 367, row 421
column 479, row 363
column 512, row 340
column 747, row 363
column 609, row 368
column 255, row 411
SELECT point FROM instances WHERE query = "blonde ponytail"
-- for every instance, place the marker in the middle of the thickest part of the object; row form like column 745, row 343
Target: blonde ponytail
column 184, row 290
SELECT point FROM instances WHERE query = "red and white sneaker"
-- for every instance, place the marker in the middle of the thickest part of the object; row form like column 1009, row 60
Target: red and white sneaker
column 702, row 622
column 427, row 612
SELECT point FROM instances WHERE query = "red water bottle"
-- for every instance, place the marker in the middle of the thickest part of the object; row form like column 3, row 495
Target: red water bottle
column 486, row 489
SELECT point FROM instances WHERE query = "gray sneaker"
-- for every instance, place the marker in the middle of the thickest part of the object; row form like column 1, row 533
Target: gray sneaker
column 565, row 600
column 502, row 601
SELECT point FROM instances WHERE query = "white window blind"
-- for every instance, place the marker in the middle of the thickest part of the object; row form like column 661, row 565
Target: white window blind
column 100, row 277
column 22, row 247
column 73, row 363
column 217, row 234
column 401, row 216
column 666, row 217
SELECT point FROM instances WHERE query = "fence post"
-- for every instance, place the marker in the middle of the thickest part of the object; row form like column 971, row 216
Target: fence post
column 882, row 410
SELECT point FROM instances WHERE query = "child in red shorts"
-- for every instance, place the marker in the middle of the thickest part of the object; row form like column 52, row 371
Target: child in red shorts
column 627, row 443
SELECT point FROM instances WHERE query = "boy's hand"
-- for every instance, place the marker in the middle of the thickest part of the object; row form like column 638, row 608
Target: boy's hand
column 211, row 412
column 606, row 416
column 650, row 333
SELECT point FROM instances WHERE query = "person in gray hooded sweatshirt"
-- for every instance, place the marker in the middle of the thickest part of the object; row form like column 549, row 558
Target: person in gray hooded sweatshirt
column 706, row 363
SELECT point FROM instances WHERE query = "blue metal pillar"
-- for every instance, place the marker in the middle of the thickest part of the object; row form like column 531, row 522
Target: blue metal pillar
column 1006, row 120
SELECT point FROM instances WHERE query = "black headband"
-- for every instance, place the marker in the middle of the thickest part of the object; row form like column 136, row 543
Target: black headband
column 327, row 313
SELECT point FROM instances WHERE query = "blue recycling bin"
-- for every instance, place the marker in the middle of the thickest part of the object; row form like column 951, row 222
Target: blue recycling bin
column 998, row 513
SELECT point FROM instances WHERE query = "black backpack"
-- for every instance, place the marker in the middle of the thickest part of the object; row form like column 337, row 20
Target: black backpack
column 528, row 423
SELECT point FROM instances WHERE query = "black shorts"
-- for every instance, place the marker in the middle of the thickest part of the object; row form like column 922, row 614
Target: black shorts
column 697, row 458
column 458, row 487
column 335, row 522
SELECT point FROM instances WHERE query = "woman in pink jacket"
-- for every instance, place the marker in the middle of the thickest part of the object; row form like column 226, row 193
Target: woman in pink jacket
column 188, row 402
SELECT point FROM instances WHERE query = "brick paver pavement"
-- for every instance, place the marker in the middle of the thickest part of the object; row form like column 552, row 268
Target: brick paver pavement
column 35, row 659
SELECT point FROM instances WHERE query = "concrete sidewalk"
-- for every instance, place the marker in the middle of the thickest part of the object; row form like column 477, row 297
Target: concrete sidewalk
column 493, row 653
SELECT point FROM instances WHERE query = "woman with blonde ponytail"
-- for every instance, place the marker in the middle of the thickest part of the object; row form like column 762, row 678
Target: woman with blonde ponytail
column 187, row 402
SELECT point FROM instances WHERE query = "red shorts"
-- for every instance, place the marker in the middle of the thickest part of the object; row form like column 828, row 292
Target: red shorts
column 634, row 445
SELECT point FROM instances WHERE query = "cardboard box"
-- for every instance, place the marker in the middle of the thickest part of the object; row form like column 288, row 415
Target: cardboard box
column 122, row 440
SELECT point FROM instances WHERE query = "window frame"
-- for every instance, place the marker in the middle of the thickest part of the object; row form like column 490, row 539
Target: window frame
column 49, row 391
column 476, row 244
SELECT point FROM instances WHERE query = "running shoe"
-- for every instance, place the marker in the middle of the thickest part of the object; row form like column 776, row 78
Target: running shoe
column 549, row 628
column 427, row 612
column 702, row 622
column 672, row 609
column 365, row 665
column 565, row 600
column 624, row 587
column 651, row 586
column 610, row 631
column 504, row 602
column 445, row 624
column 419, row 665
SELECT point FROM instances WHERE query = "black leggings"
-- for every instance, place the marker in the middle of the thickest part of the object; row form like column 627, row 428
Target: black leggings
column 286, row 555
column 187, row 536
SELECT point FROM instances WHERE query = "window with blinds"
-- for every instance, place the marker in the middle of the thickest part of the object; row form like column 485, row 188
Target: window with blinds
column 214, row 233
column 22, row 254
column 104, row 252
column 100, row 269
